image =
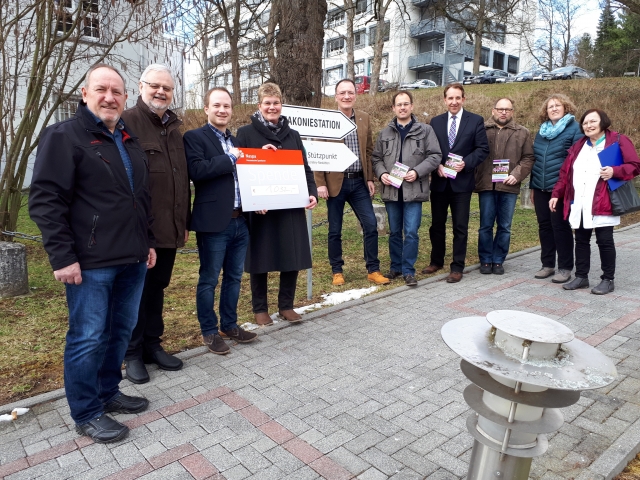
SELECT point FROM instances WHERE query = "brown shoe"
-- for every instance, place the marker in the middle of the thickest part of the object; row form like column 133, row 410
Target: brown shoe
column 338, row 279
column 454, row 277
column 240, row 335
column 431, row 269
column 290, row 316
column 263, row 319
column 216, row 344
column 378, row 278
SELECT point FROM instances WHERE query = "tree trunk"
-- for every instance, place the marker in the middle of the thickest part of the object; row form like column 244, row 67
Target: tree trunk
column 298, row 63
column 351, row 13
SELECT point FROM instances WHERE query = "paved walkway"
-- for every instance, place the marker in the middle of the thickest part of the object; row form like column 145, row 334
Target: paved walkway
column 365, row 389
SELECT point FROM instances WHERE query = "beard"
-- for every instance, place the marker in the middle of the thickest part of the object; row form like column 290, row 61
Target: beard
column 499, row 121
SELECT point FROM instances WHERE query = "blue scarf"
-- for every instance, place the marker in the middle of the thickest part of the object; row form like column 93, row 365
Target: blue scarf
column 551, row 131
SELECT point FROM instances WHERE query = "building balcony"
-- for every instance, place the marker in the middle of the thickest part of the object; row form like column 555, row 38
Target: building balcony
column 427, row 28
column 426, row 59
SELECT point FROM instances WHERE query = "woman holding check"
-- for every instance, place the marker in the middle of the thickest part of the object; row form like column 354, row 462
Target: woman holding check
column 278, row 239
column 583, row 186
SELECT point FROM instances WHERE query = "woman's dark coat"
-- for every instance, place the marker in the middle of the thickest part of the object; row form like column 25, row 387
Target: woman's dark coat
column 278, row 240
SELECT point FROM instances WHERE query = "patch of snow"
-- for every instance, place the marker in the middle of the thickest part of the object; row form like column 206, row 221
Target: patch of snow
column 336, row 298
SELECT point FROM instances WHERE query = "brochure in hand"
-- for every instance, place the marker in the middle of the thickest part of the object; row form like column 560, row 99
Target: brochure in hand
column 398, row 172
column 500, row 170
column 452, row 161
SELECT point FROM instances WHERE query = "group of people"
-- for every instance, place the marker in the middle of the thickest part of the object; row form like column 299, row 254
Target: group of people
column 111, row 195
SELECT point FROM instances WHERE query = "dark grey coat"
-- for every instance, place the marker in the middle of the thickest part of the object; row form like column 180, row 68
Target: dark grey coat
column 278, row 240
column 420, row 152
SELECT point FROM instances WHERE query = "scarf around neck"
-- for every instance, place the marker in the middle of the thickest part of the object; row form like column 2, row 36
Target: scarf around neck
column 550, row 131
column 274, row 127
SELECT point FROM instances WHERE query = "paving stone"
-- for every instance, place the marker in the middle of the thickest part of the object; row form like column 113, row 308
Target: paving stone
column 364, row 442
column 286, row 462
column 415, row 461
column 381, row 461
column 372, row 474
column 221, row 458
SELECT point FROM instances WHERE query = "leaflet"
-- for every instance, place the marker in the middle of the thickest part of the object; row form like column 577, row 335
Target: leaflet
column 452, row 161
column 398, row 172
column 500, row 170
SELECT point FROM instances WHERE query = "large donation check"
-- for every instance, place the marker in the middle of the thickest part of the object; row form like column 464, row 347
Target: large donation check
column 271, row 180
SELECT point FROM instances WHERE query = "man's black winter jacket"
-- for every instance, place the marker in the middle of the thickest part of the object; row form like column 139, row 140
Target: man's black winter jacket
column 81, row 198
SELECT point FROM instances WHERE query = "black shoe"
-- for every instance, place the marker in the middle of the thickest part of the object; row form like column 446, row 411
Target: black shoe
column 103, row 429
column 216, row 344
column 126, row 404
column 604, row 287
column 136, row 371
column 164, row 360
column 576, row 283
column 498, row 269
column 410, row 280
column 392, row 275
column 485, row 268
column 240, row 335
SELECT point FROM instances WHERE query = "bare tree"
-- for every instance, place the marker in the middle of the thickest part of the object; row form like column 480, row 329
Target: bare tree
column 380, row 8
column 554, row 44
column 45, row 48
column 297, row 60
column 480, row 19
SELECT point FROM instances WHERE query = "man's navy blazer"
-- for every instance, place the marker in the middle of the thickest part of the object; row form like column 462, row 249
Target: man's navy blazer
column 211, row 171
column 471, row 144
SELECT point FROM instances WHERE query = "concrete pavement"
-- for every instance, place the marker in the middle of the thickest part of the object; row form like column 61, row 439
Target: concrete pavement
column 366, row 390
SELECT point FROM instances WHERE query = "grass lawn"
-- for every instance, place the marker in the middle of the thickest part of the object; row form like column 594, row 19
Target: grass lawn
column 32, row 328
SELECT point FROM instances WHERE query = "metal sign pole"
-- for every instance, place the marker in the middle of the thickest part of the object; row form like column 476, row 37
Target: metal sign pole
column 310, row 270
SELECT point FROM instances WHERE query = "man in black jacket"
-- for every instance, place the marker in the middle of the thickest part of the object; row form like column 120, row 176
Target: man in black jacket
column 221, row 230
column 158, row 129
column 462, row 134
column 90, row 199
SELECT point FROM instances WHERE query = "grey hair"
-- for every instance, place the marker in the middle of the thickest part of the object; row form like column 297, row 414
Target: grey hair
column 156, row 67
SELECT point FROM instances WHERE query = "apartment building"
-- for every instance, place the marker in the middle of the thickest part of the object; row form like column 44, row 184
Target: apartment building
column 417, row 45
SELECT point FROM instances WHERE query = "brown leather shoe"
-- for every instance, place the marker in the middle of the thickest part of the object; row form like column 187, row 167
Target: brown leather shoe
column 431, row 269
column 290, row 316
column 263, row 319
column 454, row 277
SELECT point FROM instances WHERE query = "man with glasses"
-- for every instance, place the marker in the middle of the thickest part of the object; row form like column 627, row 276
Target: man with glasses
column 498, row 181
column 354, row 186
column 412, row 144
column 158, row 130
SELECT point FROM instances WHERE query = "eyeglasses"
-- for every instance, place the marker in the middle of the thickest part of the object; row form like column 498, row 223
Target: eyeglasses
column 157, row 86
column 344, row 94
column 503, row 110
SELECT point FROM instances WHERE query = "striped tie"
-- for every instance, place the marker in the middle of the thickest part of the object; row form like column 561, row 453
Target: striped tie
column 452, row 131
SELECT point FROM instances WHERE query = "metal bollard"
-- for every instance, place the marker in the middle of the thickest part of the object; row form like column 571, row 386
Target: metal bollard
column 525, row 200
column 524, row 368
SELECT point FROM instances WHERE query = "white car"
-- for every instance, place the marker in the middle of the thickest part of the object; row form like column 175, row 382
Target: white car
column 424, row 83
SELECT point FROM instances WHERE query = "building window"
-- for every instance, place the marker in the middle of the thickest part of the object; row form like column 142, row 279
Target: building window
column 90, row 23
column 218, row 81
column 358, row 67
column 512, row 65
column 333, row 75
column 361, row 6
column 384, row 64
column 498, row 60
column 244, row 96
column 221, row 59
column 496, row 32
column 373, row 30
column 91, row 27
column 484, row 57
column 335, row 18
column 67, row 109
column 255, row 70
column 253, row 95
column 335, row 46
column 264, row 18
column 219, row 39
column 359, row 39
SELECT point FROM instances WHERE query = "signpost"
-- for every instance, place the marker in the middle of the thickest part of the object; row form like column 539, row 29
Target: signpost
column 328, row 156
column 321, row 156
column 318, row 122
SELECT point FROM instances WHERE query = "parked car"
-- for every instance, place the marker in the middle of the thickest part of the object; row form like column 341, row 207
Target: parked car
column 467, row 79
column 531, row 75
column 490, row 76
column 567, row 73
column 363, row 83
column 423, row 83
column 509, row 79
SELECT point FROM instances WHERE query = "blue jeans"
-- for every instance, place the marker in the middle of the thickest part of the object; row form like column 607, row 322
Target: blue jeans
column 495, row 207
column 103, row 310
column 224, row 251
column 405, row 216
column 354, row 191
